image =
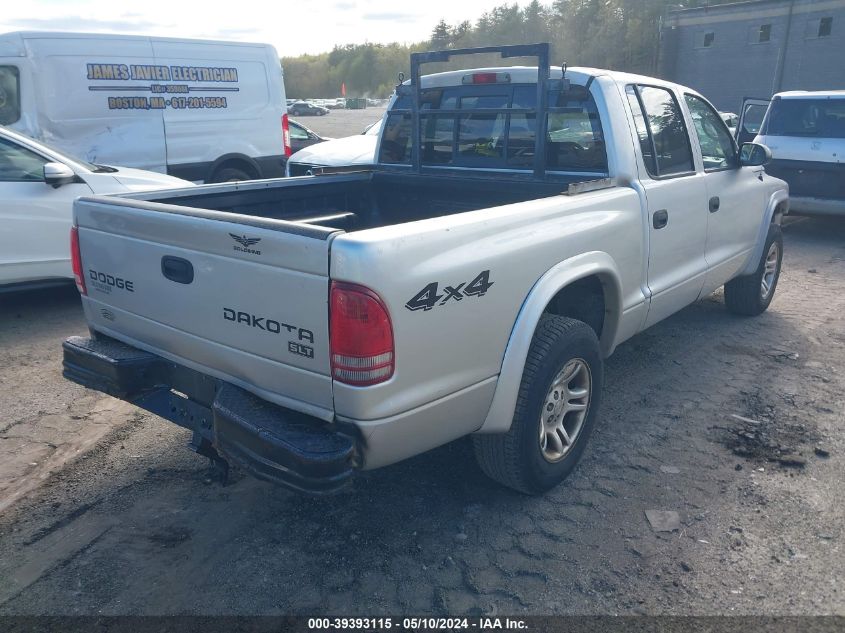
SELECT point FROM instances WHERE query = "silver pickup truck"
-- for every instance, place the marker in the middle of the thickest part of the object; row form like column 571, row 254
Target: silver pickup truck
column 518, row 225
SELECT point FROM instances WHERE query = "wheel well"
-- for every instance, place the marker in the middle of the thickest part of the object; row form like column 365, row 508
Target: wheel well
column 583, row 300
column 235, row 163
column 777, row 216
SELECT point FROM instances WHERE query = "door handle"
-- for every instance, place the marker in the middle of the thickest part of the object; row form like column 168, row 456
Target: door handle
column 660, row 219
column 177, row 269
column 714, row 204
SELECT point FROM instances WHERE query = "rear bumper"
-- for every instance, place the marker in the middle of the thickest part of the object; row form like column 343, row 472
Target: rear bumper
column 272, row 443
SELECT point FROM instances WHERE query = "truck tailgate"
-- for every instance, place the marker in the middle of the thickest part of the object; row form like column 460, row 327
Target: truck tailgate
column 241, row 298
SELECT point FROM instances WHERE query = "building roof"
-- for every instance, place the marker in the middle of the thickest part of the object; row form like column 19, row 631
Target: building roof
column 748, row 10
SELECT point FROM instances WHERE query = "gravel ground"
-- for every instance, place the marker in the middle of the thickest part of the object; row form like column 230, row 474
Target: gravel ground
column 733, row 423
column 339, row 123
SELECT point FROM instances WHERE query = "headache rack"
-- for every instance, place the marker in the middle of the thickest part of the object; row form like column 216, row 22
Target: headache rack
column 541, row 112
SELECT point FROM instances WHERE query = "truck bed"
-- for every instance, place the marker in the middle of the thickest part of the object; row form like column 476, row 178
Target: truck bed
column 358, row 201
column 253, row 259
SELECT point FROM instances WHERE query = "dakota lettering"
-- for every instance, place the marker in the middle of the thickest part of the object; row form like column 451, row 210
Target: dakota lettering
column 265, row 324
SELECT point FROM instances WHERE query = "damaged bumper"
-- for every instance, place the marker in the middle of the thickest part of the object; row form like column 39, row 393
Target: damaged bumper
column 270, row 442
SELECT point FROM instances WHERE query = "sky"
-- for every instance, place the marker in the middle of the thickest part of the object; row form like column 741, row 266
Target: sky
column 294, row 28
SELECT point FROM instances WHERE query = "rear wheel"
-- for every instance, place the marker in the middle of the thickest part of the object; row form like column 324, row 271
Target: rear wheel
column 751, row 294
column 230, row 174
column 555, row 413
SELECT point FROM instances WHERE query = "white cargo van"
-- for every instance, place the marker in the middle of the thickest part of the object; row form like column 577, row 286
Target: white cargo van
column 198, row 110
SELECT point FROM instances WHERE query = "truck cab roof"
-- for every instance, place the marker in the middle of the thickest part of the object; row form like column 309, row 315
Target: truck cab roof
column 528, row 74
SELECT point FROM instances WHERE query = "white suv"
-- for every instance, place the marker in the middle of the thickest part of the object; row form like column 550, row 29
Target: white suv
column 37, row 188
column 806, row 133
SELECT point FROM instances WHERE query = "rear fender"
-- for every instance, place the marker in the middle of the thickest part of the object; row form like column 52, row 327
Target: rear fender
column 593, row 263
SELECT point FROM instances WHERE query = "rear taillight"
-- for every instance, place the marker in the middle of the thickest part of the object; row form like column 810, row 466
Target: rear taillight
column 76, row 261
column 286, row 135
column 361, row 336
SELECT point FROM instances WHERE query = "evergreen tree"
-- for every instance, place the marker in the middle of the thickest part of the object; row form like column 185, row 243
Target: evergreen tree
column 441, row 36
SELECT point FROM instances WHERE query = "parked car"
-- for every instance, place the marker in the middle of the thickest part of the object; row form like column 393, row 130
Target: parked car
column 472, row 283
column 37, row 187
column 196, row 109
column 806, row 134
column 305, row 108
column 301, row 137
column 359, row 149
column 731, row 120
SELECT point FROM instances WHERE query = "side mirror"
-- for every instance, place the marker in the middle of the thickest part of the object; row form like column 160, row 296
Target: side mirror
column 58, row 174
column 754, row 155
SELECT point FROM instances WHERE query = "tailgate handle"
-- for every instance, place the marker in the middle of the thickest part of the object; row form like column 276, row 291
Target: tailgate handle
column 177, row 269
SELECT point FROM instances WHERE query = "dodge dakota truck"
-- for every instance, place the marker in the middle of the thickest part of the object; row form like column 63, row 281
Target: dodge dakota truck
column 518, row 225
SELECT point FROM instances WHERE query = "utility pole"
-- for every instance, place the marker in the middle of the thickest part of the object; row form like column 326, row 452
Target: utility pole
column 778, row 78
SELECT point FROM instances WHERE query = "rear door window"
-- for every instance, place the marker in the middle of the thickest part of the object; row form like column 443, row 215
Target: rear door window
column 646, row 147
column 667, row 133
column 10, row 96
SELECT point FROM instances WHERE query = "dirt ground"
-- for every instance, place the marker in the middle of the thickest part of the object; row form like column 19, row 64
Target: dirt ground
column 733, row 423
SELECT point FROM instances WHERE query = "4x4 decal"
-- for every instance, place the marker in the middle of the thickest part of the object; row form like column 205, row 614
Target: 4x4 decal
column 429, row 297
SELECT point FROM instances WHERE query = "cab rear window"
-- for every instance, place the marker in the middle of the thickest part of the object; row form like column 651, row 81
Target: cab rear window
column 10, row 97
column 497, row 140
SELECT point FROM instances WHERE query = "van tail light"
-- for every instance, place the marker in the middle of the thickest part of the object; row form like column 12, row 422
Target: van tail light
column 286, row 135
column 76, row 261
column 361, row 336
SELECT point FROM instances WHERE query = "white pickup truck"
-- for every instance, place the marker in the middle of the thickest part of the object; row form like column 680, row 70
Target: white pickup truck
column 472, row 283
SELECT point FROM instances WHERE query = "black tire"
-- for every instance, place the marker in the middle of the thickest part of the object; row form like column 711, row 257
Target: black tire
column 745, row 295
column 295, row 113
column 516, row 459
column 230, row 174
